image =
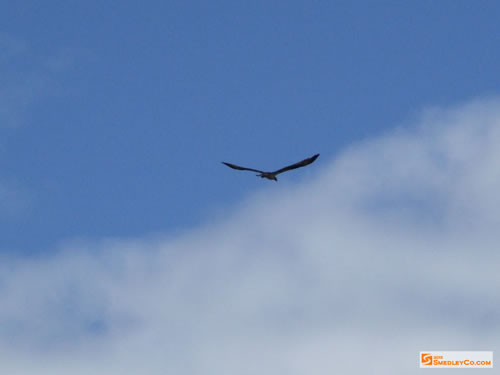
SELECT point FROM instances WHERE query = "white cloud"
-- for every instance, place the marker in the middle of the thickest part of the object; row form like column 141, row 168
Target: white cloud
column 391, row 249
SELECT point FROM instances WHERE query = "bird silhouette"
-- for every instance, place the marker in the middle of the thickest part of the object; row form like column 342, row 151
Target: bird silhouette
column 272, row 175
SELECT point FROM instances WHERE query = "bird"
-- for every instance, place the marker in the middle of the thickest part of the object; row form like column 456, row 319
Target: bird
column 272, row 175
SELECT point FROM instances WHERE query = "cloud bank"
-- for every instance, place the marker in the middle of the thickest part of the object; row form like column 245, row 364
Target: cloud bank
column 388, row 250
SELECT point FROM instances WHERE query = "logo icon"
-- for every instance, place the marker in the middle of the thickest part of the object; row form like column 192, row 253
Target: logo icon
column 426, row 359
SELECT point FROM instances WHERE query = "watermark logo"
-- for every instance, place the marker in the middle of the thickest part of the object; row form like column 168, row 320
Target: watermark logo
column 430, row 359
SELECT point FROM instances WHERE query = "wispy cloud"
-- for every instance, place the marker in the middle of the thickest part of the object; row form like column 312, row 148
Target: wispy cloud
column 390, row 250
column 29, row 78
column 27, row 81
column 20, row 88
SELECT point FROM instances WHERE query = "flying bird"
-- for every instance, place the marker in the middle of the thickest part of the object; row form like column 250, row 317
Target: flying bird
column 272, row 175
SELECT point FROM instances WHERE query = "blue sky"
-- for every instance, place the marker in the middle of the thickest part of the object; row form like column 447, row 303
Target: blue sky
column 121, row 232
column 118, row 116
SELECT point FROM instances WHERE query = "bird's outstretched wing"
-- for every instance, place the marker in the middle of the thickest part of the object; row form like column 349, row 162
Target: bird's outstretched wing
column 300, row 164
column 241, row 168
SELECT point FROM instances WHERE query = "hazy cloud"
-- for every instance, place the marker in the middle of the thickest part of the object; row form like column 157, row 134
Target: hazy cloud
column 392, row 248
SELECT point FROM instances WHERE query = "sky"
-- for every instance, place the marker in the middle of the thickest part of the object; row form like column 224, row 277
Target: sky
column 127, row 247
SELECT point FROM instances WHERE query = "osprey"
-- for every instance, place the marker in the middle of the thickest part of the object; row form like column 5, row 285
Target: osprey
column 272, row 175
